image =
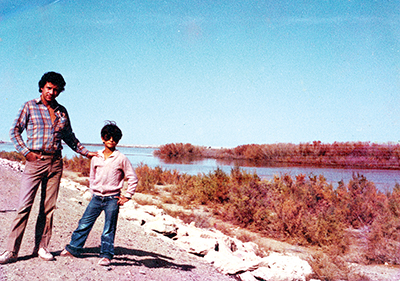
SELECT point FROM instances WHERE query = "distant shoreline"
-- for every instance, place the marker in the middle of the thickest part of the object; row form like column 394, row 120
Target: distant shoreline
column 126, row 145
column 100, row 144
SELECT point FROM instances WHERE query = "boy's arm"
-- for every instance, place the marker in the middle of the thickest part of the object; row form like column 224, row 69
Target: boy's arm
column 132, row 181
column 92, row 174
column 131, row 177
column 122, row 200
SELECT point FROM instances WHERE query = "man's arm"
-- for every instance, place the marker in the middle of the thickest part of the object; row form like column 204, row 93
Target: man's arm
column 17, row 128
column 70, row 139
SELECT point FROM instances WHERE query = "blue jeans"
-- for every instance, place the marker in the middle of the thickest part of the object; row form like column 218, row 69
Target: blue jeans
column 109, row 205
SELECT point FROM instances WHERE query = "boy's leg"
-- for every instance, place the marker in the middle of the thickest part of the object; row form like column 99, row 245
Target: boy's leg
column 111, row 211
column 79, row 236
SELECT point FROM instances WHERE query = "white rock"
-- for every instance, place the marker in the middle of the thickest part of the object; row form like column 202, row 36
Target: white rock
column 87, row 195
column 136, row 215
column 267, row 274
column 247, row 276
column 75, row 200
column 230, row 264
column 282, row 267
column 197, row 245
column 14, row 165
column 153, row 210
column 162, row 226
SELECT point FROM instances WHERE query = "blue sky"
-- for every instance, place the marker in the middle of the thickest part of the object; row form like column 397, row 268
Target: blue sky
column 213, row 73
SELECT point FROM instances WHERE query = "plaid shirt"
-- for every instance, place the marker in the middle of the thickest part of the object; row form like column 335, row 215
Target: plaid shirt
column 42, row 134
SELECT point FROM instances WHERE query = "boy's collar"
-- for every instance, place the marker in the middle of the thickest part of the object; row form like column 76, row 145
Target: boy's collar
column 112, row 154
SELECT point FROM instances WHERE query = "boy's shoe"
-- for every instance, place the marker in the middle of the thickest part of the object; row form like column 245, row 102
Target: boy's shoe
column 65, row 253
column 8, row 257
column 44, row 254
column 104, row 262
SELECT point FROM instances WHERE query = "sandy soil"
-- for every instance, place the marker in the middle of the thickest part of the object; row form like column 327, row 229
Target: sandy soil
column 139, row 256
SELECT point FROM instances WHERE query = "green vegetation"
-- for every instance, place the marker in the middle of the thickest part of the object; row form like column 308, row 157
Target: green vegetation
column 347, row 154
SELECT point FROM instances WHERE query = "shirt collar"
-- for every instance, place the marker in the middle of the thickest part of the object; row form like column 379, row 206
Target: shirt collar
column 114, row 154
column 39, row 101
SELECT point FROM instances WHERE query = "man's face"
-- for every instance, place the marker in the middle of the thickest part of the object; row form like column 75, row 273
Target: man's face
column 50, row 92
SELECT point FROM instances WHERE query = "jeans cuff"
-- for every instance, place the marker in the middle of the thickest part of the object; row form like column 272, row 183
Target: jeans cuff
column 73, row 250
column 103, row 255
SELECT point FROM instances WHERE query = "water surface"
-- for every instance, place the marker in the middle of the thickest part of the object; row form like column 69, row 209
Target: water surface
column 383, row 179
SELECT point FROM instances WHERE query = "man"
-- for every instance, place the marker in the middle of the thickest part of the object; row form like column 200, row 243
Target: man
column 46, row 123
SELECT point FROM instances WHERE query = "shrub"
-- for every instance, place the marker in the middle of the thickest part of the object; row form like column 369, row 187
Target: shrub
column 179, row 152
column 78, row 164
column 346, row 154
column 13, row 156
column 149, row 177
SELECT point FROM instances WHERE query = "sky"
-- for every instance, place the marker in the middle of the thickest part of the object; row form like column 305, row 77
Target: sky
column 209, row 73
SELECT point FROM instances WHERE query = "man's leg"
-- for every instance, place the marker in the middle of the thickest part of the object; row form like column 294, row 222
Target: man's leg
column 30, row 182
column 49, row 194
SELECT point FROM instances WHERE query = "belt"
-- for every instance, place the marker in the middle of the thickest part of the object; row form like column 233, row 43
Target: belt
column 47, row 153
column 106, row 197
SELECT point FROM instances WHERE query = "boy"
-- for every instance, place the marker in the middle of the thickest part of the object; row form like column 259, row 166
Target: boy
column 107, row 173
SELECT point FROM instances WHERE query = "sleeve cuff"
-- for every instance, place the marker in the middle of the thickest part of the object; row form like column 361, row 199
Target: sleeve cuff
column 25, row 151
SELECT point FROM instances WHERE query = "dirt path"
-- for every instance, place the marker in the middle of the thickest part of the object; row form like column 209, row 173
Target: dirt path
column 139, row 255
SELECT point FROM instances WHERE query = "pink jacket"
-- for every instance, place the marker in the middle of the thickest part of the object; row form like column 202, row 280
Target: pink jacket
column 107, row 176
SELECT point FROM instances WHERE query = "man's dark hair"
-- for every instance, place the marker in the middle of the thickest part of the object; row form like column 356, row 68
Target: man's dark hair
column 54, row 78
column 111, row 130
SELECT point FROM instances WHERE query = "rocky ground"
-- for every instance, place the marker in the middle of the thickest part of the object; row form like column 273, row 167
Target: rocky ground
column 139, row 256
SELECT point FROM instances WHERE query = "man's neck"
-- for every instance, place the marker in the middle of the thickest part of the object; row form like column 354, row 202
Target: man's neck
column 50, row 108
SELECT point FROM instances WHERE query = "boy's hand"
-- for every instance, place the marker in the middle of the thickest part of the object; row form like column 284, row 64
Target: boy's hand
column 122, row 200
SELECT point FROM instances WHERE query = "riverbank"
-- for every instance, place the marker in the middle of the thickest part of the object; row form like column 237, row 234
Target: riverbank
column 355, row 155
column 141, row 255
column 385, row 180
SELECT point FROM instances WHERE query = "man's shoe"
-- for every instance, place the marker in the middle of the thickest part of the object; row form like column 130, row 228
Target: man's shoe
column 8, row 257
column 65, row 253
column 35, row 253
column 44, row 254
column 104, row 262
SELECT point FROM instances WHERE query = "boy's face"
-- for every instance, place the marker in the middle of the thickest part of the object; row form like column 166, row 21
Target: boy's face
column 110, row 143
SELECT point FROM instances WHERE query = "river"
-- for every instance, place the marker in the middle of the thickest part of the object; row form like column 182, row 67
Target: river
column 384, row 179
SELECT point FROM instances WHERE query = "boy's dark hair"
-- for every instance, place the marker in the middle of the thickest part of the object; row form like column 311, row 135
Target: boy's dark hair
column 111, row 130
column 54, row 78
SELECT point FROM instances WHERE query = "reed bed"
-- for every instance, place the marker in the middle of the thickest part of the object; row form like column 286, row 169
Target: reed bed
column 365, row 155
